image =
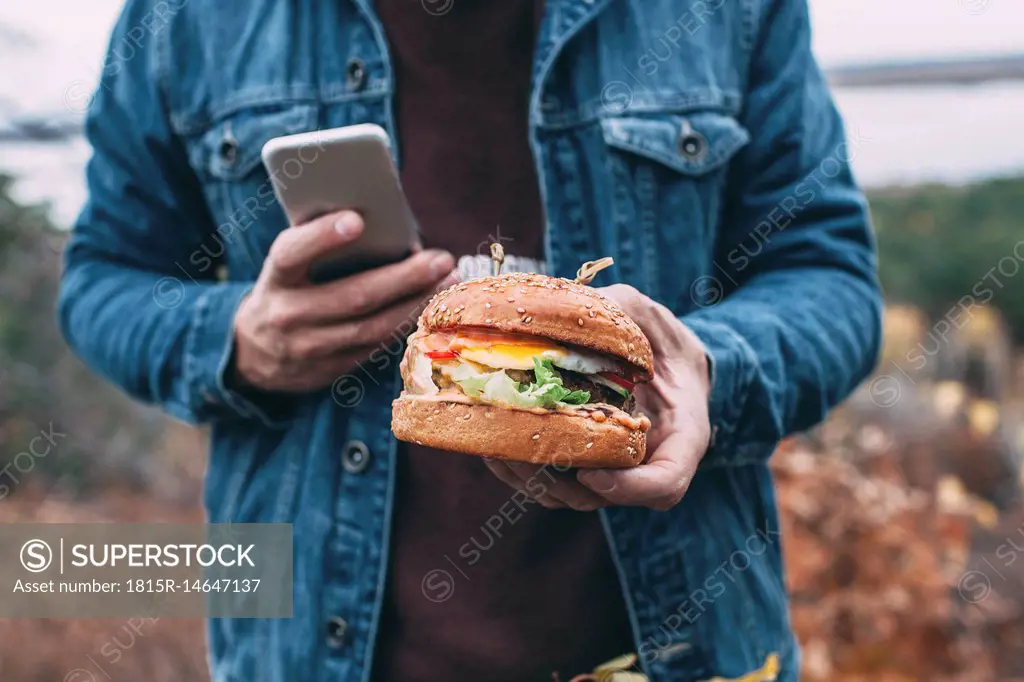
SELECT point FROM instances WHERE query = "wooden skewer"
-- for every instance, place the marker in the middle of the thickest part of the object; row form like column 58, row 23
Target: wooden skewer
column 498, row 256
column 589, row 270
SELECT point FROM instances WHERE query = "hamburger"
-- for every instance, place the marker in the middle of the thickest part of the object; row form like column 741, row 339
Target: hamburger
column 528, row 368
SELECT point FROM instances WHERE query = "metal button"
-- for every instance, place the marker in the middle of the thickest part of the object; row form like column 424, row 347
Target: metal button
column 228, row 147
column 356, row 457
column 355, row 74
column 336, row 628
column 691, row 143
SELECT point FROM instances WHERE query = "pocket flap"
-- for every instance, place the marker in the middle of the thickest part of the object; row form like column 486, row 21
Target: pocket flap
column 693, row 144
column 230, row 148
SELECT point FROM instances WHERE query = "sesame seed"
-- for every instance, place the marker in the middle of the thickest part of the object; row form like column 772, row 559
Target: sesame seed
column 528, row 319
column 631, row 347
column 510, row 299
column 593, row 314
column 590, row 305
column 536, row 436
column 580, row 321
column 589, row 445
column 488, row 320
column 487, row 305
column 520, row 310
column 443, row 307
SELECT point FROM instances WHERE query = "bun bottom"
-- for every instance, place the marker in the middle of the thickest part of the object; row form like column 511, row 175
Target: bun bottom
column 559, row 439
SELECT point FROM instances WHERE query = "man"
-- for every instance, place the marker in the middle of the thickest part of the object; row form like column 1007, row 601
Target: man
column 696, row 143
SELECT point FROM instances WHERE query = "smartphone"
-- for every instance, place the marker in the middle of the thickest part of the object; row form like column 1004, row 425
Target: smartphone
column 324, row 171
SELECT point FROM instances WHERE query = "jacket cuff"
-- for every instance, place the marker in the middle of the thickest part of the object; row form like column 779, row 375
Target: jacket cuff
column 732, row 365
column 209, row 347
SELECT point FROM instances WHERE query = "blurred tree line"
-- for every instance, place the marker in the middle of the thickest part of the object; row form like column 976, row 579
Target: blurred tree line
column 91, row 433
column 938, row 244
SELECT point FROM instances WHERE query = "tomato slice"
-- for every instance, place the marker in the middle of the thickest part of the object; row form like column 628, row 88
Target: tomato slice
column 441, row 354
column 616, row 379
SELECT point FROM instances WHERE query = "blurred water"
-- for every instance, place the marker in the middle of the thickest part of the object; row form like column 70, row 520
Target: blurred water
column 52, row 48
column 947, row 134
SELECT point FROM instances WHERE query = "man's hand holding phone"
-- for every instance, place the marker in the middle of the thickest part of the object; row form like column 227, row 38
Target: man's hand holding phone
column 295, row 336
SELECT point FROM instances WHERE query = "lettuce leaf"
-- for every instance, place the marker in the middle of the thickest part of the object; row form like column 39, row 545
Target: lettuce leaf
column 577, row 398
column 491, row 386
column 547, row 391
column 548, row 388
column 469, row 379
column 545, row 372
column 502, row 388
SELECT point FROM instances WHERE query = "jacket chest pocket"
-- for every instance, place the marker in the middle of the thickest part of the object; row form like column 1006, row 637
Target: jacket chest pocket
column 226, row 156
column 667, row 175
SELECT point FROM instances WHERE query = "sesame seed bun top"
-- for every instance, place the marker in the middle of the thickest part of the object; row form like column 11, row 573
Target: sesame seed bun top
column 551, row 307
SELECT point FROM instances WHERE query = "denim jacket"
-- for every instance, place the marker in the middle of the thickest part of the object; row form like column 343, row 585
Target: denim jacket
column 694, row 141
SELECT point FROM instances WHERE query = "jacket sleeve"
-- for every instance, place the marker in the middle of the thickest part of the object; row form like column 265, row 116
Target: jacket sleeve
column 140, row 301
column 795, row 323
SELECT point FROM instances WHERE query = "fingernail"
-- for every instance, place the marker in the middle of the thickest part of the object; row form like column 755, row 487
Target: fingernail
column 441, row 264
column 347, row 225
column 599, row 481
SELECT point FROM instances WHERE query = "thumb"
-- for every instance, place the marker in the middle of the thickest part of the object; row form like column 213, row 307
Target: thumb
column 297, row 247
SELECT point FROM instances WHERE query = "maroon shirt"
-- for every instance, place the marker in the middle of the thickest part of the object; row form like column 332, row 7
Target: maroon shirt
column 524, row 591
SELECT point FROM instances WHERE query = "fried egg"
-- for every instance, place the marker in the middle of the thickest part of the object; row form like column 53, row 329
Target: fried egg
column 512, row 352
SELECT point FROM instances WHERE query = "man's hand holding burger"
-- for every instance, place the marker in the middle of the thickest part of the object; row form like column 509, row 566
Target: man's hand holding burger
column 676, row 401
column 291, row 335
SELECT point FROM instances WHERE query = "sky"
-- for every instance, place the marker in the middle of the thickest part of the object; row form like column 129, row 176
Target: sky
column 870, row 30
